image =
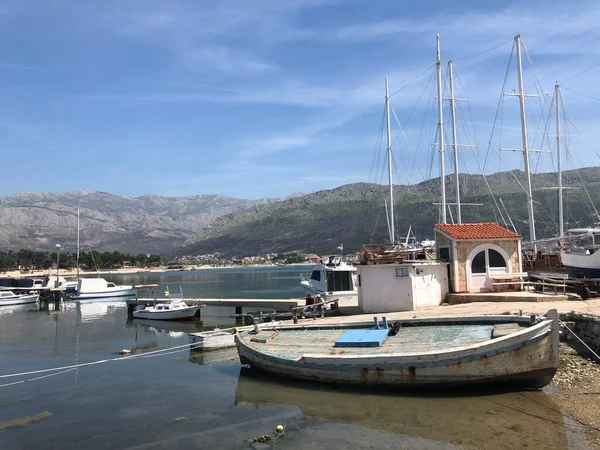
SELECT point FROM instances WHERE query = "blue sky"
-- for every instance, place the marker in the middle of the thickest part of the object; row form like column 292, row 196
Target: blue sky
column 262, row 98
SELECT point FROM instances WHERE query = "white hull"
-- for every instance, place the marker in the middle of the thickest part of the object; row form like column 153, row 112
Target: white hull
column 581, row 260
column 19, row 300
column 344, row 298
column 104, row 294
column 176, row 314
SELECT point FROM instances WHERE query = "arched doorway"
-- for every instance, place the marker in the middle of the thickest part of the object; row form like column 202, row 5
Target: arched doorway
column 483, row 261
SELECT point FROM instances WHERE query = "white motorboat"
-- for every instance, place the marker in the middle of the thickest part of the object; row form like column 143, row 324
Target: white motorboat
column 10, row 298
column 173, row 310
column 333, row 280
column 100, row 288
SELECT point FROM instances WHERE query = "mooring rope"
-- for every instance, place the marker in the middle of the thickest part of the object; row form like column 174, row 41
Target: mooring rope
column 580, row 340
column 161, row 352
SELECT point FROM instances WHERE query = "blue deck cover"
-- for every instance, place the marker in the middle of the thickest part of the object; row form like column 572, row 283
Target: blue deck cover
column 362, row 338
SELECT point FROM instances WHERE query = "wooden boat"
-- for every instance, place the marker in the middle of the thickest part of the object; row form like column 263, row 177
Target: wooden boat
column 10, row 298
column 449, row 351
column 217, row 338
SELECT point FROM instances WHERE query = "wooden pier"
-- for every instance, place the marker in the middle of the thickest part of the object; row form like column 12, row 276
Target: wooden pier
column 238, row 303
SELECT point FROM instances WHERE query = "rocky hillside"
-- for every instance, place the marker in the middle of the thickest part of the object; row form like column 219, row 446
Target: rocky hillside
column 317, row 222
column 355, row 214
column 147, row 224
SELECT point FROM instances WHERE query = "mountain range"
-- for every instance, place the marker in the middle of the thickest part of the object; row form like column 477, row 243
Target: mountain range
column 315, row 222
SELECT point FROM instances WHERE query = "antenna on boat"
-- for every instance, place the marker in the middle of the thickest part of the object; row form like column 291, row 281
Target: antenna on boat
column 441, row 130
column 389, row 155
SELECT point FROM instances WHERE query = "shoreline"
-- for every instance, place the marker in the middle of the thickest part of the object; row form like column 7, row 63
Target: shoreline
column 135, row 270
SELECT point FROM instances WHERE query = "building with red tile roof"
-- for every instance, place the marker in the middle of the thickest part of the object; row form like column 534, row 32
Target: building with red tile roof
column 479, row 254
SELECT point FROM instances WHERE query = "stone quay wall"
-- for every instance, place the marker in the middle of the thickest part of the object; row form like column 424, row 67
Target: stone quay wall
column 586, row 327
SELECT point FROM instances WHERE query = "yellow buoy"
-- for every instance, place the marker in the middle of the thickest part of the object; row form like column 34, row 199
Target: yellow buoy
column 280, row 428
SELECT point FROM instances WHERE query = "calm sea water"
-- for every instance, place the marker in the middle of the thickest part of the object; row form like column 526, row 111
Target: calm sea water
column 192, row 400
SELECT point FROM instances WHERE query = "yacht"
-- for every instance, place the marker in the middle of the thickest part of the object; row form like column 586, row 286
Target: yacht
column 334, row 279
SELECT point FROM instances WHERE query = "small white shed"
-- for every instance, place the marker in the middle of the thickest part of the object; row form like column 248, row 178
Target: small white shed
column 403, row 286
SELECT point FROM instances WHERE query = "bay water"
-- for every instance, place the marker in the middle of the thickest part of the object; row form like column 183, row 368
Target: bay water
column 187, row 399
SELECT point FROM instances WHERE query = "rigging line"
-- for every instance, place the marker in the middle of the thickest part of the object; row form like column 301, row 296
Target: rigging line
column 580, row 73
column 409, row 147
column 414, row 79
column 499, row 104
column 376, row 152
column 579, row 93
column 419, row 100
column 485, row 51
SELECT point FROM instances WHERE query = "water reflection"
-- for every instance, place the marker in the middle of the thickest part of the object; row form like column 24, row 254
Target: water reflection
column 475, row 420
column 224, row 355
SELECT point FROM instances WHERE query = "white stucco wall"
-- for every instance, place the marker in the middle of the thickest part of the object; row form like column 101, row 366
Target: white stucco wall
column 381, row 291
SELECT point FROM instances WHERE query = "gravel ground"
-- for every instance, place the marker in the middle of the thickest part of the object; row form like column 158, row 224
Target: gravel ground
column 578, row 383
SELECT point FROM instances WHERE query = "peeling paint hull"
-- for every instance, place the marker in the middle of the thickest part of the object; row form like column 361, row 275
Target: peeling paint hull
column 524, row 359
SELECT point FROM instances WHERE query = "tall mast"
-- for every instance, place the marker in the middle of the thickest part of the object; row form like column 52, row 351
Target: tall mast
column 441, row 130
column 561, row 225
column 522, row 96
column 454, row 142
column 77, row 259
column 389, row 155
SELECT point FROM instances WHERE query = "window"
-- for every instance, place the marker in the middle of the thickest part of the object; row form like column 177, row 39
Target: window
column 339, row 281
column 444, row 253
column 496, row 259
column 478, row 263
column 316, row 275
column 401, row 272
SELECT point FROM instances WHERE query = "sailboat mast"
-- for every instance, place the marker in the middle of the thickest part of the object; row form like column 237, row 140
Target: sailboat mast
column 389, row 155
column 561, row 225
column 521, row 96
column 77, row 259
column 454, row 142
column 441, row 130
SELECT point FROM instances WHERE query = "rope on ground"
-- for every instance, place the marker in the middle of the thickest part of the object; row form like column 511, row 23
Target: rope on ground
column 580, row 340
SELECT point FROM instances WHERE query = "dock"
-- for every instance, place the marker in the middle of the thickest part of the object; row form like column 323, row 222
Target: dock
column 238, row 303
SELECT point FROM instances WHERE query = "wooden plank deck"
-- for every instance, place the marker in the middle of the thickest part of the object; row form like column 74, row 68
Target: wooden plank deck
column 292, row 344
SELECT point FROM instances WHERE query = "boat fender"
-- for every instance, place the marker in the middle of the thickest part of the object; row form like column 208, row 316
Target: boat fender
column 395, row 328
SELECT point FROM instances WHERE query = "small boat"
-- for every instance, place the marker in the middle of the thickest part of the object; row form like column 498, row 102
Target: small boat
column 451, row 351
column 100, row 288
column 334, row 279
column 217, row 338
column 10, row 298
column 173, row 310
column 211, row 340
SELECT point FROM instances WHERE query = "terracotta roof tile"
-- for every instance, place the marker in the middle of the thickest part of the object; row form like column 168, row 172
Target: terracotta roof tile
column 486, row 230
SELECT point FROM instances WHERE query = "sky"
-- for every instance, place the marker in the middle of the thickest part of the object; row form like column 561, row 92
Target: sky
column 263, row 98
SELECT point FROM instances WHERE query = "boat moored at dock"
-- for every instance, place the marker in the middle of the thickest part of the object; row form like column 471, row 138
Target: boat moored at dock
column 10, row 298
column 334, row 279
column 88, row 288
column 453, row 351
column 173, row 310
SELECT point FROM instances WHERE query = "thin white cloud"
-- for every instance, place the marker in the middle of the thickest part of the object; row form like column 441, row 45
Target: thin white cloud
column 225, row 60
